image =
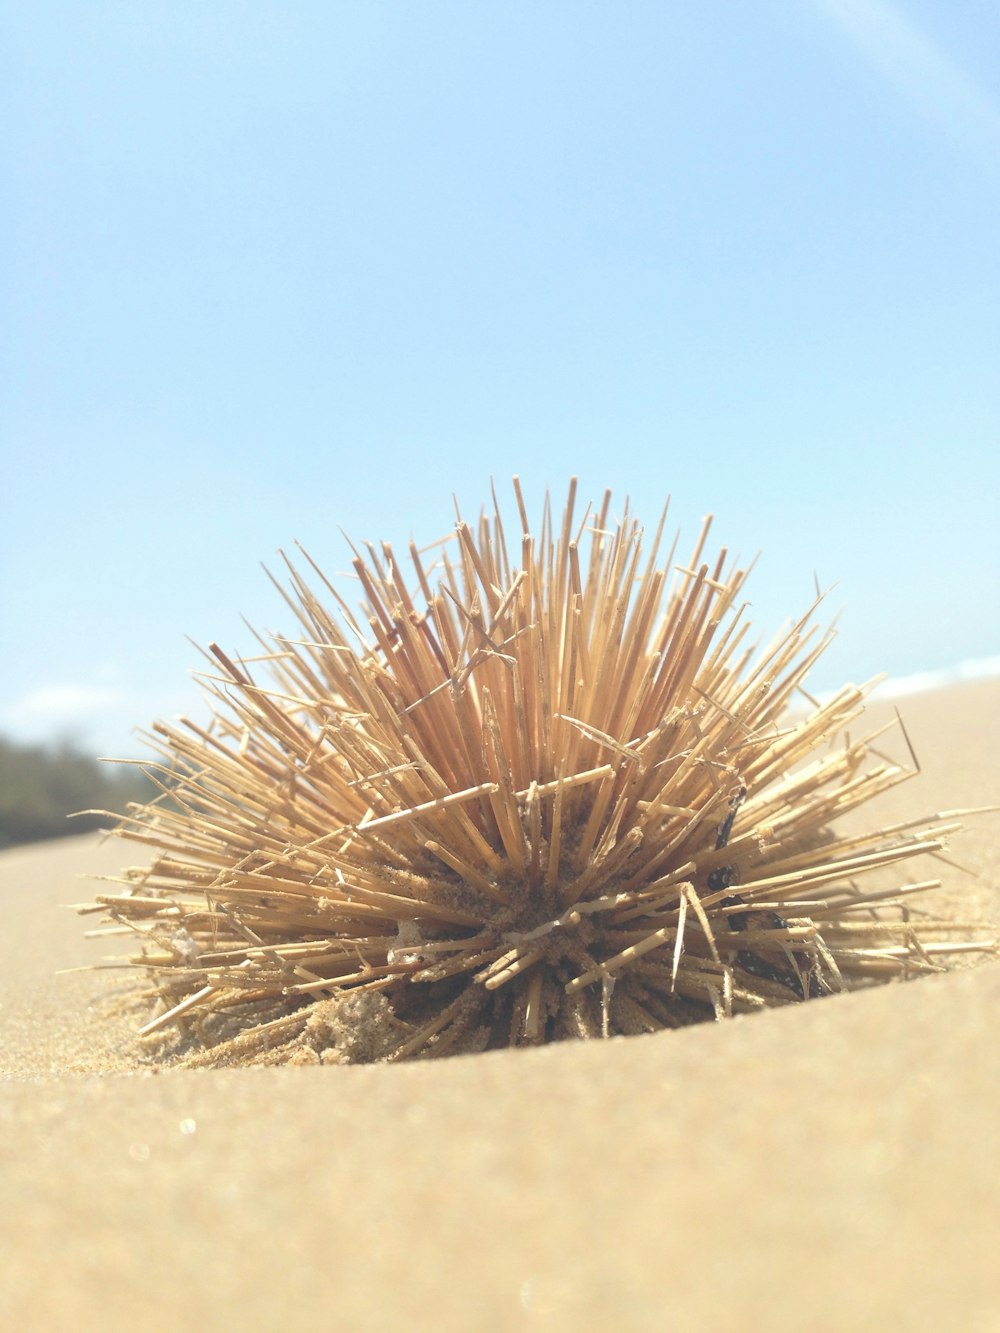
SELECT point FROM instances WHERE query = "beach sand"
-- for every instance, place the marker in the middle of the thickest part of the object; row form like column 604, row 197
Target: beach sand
column 824, row 1167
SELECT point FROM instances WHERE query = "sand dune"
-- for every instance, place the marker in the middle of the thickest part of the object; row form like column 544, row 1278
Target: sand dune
column 828, row 1167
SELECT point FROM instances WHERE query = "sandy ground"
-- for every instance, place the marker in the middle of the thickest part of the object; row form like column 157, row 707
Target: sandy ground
column 829, row 1167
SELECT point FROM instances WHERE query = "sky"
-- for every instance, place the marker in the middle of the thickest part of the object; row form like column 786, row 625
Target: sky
column 273, row 272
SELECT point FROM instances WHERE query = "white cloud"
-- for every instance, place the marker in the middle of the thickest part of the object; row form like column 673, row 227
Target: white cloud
column 911, row 61
column 96, row 718
column 60, row 710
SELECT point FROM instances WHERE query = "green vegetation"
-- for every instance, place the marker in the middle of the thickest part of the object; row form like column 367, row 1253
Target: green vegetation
column 40, row 787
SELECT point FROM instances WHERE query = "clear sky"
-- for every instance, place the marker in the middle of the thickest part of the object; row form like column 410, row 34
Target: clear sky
column 270, row 270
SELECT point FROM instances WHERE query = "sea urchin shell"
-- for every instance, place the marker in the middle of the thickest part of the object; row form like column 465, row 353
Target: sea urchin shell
column 544, row 791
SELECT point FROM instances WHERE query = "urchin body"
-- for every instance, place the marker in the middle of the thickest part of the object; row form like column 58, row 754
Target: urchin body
column 545, row 792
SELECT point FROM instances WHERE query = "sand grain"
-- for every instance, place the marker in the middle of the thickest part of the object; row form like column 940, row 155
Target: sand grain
column 830, row 1166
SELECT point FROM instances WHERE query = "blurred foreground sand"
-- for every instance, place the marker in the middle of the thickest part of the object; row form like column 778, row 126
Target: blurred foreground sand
column 829, row 1167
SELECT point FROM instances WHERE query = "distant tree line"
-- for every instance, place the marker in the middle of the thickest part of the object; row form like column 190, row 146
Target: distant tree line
column 41, row 786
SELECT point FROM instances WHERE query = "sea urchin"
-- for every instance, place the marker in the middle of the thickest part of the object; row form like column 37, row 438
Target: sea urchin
column 545, row 791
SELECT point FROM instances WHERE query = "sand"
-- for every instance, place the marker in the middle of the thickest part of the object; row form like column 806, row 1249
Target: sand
column 824, row 1167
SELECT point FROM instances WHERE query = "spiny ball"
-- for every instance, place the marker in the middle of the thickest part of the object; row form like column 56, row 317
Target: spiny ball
column 541, row 788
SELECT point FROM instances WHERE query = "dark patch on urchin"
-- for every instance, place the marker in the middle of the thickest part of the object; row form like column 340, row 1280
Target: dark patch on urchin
column 557, row 800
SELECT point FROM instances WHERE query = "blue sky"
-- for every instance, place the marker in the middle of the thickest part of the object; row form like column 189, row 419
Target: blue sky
column 274, row 270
